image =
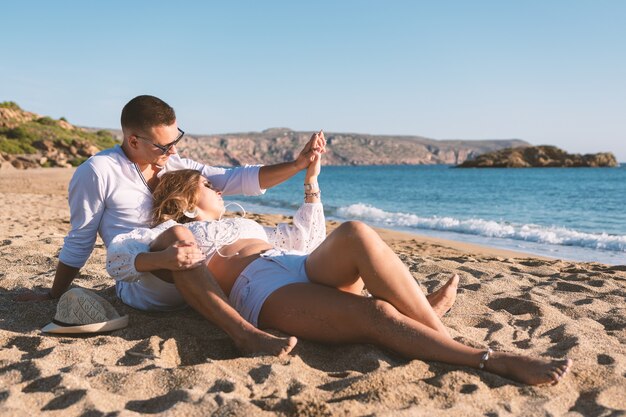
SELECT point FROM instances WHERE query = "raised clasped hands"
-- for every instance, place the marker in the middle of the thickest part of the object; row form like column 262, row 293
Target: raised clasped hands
column 312, row 150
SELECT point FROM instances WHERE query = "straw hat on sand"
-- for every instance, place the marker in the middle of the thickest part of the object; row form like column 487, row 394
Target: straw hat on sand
column 82, row 311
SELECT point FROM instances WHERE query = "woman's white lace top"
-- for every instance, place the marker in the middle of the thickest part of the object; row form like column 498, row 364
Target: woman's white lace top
column 305, row 234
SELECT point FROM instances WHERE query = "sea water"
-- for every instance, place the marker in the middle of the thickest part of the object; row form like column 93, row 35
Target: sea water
column 567, row 213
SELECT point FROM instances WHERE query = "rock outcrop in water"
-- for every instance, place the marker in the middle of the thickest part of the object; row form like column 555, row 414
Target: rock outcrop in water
column 539, row 157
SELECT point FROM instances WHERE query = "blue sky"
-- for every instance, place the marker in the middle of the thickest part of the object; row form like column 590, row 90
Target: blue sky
column 548, row 72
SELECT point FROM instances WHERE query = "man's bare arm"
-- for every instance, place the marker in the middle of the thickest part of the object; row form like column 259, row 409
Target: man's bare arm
column 63, row 277
column 271, row 175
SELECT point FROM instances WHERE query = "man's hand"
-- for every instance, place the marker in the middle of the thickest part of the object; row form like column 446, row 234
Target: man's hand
column 315, row 146
column 63, row 277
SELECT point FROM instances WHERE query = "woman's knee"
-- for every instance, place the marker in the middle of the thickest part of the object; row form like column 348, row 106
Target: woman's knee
column 355, row 229
column 170, row 236
column 179, row 232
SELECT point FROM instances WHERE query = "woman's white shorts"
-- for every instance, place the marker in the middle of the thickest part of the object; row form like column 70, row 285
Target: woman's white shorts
column 273, row 270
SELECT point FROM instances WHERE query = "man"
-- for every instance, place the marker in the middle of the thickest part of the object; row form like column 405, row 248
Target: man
column 110, row 194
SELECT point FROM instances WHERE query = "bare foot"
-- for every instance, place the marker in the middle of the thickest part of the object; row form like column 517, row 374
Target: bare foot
column 258, row 342
column 442, row 300
column 531, row 371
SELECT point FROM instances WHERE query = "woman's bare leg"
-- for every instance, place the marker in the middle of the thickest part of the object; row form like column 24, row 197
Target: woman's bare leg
column 444, row 297
column 354, row 251
column 324, row 314
column 202, row 292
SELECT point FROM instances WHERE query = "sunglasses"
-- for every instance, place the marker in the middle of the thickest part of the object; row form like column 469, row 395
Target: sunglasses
column 166, row 148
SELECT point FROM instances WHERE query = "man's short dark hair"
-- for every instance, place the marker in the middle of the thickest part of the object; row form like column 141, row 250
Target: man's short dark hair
column 145, row 112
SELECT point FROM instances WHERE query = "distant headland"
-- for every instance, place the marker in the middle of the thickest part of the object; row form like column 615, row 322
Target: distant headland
column 539, row 157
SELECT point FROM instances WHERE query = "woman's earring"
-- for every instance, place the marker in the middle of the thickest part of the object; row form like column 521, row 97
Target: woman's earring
column 191, row 214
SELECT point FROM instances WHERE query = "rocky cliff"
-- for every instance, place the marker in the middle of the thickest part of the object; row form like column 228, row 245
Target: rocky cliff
column 539, row 156
column 279, row 145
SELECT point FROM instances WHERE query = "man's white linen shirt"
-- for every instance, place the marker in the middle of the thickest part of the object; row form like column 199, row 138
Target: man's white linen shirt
column 108, row 196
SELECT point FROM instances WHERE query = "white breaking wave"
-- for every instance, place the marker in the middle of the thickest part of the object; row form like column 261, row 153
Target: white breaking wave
column 488, row 228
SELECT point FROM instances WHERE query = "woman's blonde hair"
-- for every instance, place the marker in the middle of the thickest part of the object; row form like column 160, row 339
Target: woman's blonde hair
column 176, row 193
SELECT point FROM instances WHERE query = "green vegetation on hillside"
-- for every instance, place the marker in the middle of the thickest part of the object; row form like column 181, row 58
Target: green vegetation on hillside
column 10, row 105
column 20, row 139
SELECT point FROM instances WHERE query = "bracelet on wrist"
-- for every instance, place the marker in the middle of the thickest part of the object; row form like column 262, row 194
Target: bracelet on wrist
column 312, row 186
column 312, row 195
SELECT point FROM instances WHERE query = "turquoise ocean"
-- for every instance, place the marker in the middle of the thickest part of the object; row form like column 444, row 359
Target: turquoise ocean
column 575, row 214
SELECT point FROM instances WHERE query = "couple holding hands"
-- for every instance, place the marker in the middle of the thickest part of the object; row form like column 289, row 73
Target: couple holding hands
column 169, row 246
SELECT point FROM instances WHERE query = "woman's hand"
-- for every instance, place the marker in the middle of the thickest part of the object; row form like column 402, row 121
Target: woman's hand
column 182, row 255
column 179, row 256
column 314, row 169
column 311, row 187
column 318, row 147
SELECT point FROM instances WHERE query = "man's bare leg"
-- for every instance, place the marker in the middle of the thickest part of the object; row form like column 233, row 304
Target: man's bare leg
column 202, row 292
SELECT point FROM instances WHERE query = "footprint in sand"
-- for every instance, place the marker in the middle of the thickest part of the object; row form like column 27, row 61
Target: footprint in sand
column 43, row 384
column 605, row 359
column 468, row 388
column 163, row 352
column 30, row 346
column 524, row 344
column 515, row 306
column 27, row 369
column 460, row 259
column 471, row 287
column 569, row 287
column 158, row 404
column 611, row 323
column 222, row 385
column 562, row 341
column 473, row 272
column 491, row 326
column 295, row 387
column 66, row 400
column 260, row 374
column 530, row 325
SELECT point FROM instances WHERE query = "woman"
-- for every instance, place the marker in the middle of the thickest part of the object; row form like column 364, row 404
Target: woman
column 293, row 279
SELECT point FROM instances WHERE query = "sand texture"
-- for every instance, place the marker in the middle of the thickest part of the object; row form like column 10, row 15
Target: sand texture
column 177, row 364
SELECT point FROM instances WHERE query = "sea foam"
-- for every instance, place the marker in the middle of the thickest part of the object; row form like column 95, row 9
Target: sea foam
column 488, row 228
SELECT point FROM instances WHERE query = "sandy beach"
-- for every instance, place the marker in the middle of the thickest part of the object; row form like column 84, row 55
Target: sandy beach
column 177, row 364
